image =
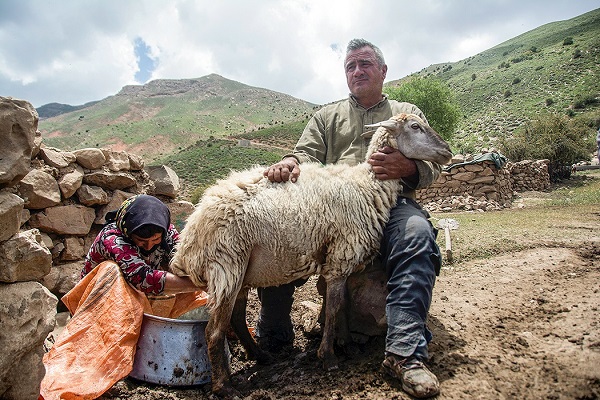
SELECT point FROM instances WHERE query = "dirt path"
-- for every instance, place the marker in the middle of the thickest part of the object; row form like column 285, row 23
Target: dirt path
column 518, row 326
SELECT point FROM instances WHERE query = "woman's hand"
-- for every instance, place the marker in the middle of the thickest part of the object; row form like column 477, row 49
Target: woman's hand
column 179, row 284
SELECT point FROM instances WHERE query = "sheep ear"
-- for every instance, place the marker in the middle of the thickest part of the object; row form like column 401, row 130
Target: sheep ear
column 390, row 124
column 368, row 134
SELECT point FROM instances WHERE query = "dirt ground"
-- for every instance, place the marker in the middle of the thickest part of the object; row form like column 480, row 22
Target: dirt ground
column 519, row 326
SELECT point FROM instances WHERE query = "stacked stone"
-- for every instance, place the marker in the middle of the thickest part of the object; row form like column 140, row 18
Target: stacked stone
column 529, row 175
column 483, row 186
column 469, row 187
column 27, row 308
column 52, row 204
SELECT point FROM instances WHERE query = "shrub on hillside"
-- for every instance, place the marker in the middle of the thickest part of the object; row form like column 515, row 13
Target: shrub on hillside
column 434, row 98
column 583, row 100
column 554, row 137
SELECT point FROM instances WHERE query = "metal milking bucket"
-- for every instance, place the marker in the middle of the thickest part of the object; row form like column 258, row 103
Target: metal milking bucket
column 173, row 351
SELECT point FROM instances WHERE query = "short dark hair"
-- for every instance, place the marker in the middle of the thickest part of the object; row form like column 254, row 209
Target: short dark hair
column 356, row 44
column 146, row 231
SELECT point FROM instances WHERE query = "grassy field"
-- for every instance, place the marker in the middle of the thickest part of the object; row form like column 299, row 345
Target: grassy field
column 562, row 217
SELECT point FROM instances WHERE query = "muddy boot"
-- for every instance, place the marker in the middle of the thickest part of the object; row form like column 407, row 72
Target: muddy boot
column 274, row 329
column 417, row 380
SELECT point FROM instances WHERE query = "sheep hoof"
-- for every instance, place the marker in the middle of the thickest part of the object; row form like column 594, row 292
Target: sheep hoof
column 330, row 364
column 228, row 393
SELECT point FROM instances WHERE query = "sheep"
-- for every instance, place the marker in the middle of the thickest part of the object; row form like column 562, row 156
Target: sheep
column 249, row 232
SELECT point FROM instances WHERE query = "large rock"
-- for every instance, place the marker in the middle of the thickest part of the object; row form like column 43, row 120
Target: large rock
column 366, row 306
column 367, row 292
column 116, row 160
column 18, row 126
column 24, row 257
column 28, row 315
column 92, row 195
column 136, row 163
column 11, row 208
column 110, row 180
column 74, row 249
column 70, row 182
column 166, row 181
column 56, row 158
column 63, row 277
column 90, row 158
column 39, row 189
column 64, row 220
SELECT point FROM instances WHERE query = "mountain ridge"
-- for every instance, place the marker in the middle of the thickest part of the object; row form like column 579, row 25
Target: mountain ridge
column 551, row 69
column 166, row 115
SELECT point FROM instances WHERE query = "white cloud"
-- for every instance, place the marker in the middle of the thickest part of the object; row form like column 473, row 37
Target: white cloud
column 74, row 52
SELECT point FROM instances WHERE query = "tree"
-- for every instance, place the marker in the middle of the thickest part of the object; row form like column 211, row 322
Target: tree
column 555, row 137
column 434, row 98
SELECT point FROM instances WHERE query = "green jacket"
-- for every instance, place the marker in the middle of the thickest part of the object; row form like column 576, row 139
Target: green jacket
column 333, row 135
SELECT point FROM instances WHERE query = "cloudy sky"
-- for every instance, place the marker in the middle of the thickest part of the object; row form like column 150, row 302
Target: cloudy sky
column 75, row 51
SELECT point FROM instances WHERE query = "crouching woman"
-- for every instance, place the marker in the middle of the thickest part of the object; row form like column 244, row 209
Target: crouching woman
column 124, row 269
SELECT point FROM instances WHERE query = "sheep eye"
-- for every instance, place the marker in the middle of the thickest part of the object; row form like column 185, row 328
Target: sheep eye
column 415, row 126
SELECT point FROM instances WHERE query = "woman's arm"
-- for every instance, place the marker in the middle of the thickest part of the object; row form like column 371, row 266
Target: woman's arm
column 178, row 284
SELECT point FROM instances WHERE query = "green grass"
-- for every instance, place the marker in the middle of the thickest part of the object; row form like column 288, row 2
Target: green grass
column 200, row 165
column 284, row 135
column 578, row 193
column 561, row 217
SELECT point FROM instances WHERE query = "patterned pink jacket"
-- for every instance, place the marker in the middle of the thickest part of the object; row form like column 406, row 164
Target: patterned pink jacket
column 145, row 272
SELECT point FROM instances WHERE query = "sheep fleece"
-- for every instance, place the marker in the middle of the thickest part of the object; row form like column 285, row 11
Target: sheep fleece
column 291, row 229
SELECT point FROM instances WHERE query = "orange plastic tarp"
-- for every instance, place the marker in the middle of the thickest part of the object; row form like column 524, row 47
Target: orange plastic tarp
column 97, row 346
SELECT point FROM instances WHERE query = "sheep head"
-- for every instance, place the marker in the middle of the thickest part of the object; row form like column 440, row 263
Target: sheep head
column 412, row 136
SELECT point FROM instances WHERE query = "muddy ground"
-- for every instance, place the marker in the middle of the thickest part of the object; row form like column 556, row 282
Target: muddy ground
column 519, row 326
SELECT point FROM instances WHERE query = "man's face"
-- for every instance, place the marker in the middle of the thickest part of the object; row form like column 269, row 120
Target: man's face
column 363, row 74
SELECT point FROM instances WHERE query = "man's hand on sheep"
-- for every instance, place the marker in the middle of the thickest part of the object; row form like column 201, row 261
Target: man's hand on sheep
column 390, row 163
column 283, row 171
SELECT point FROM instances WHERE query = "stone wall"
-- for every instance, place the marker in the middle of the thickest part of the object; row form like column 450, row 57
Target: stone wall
column 483, row 186
column 530, row 175
column 52, row 205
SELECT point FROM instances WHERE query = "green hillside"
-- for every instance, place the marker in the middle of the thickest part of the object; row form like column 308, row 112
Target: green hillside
column 203, row 163
column 166, row 116
column 552, row 69
column 194, row 125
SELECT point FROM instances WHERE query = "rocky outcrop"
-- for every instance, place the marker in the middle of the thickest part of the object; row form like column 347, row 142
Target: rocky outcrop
column 27, row 312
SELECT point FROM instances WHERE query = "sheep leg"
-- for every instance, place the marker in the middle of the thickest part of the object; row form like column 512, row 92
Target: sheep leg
column 335, row 306
column 240, row 327
column 216, row 329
